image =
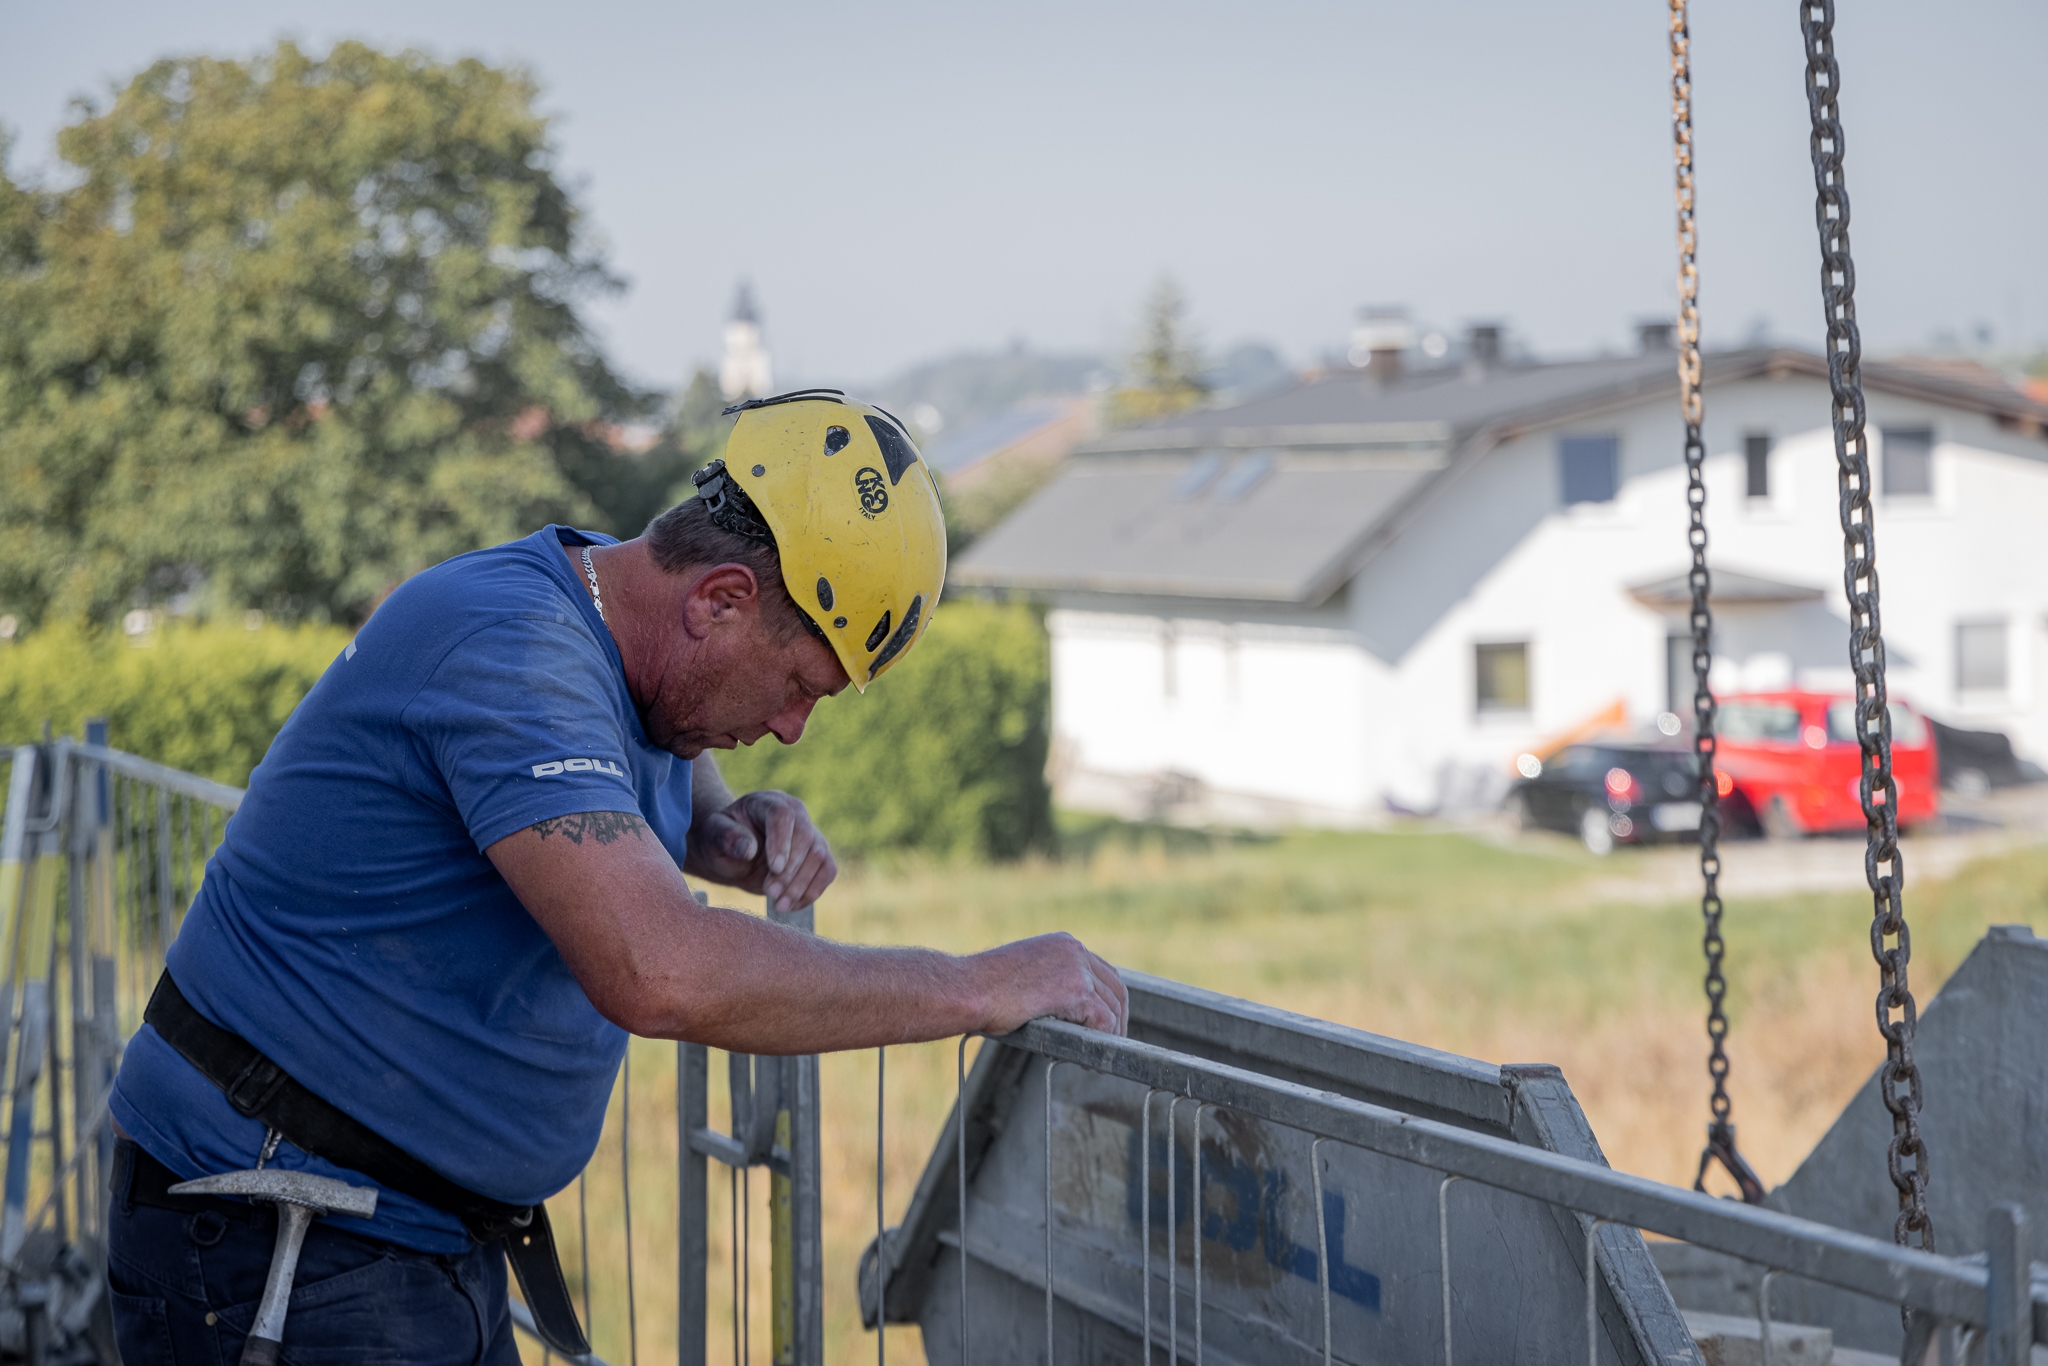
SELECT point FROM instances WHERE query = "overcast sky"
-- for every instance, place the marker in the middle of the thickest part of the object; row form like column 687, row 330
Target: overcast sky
column 903, row 180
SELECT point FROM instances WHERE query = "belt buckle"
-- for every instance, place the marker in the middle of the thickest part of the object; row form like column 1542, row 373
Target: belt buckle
column 255, row 1086
column 493, row 1228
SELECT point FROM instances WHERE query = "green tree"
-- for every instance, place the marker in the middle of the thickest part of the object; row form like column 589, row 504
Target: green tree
column 303, row 327
column 700, row 413
column 1164, row 374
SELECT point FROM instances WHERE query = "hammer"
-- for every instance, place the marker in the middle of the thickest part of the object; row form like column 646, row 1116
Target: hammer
column 300, row 1199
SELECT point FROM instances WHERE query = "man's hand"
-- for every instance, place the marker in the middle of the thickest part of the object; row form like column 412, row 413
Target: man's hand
column 763, row 842
column 1052, row 974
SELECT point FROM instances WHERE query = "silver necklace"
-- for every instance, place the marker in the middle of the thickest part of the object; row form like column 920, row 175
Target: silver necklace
column 590, row 572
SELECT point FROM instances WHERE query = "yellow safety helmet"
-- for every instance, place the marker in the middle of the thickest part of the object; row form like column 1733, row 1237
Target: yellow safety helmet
column 853, row 512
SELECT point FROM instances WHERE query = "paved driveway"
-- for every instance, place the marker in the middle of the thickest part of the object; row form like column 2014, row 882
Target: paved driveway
column 1969, row 829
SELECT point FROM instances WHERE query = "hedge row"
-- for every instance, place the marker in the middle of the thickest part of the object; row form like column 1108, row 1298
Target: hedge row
column 946, row 755
column 208, row 699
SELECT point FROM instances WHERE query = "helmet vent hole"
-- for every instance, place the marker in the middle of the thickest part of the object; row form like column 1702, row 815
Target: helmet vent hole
column 899, row 642
column 836, row 439
column 824, row 592
column 879, row 634
column 897, row 452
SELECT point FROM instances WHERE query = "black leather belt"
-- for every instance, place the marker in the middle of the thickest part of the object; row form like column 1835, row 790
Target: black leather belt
column 140, row 1179
column 260, row 1089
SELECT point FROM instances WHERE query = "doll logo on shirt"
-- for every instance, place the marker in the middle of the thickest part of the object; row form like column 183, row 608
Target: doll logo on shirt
column 555, row 766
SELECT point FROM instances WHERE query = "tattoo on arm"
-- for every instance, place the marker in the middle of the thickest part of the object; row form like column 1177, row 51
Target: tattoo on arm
column 605, row 827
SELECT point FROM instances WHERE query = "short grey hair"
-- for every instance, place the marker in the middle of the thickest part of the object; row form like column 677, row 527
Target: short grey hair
column 685, row 538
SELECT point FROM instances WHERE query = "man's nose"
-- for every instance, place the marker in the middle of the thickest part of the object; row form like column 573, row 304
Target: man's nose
column 788, row 724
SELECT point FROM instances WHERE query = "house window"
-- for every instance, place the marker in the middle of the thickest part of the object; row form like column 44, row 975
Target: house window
column 1756, row 464
column 1501, row 673
column 1679, row 679
column 1981, row 656
column 1591, row 468
column 1908, row 463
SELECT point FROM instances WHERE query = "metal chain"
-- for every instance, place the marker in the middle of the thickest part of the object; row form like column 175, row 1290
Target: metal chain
column 1720, row 1129
column 1880, row 795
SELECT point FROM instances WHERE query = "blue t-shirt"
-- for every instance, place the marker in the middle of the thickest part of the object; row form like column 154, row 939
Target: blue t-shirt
column 351, row 927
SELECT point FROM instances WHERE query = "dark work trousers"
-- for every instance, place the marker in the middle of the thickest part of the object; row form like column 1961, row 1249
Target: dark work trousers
column 185, row 1287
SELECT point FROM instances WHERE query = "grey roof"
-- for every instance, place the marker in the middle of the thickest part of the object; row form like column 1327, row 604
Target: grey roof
column 1184, row 526
column 1281, row 498
column 952, row 452
column 1727, row 588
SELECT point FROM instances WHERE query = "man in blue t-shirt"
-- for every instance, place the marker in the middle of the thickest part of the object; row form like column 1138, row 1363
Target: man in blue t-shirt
column 458, row 882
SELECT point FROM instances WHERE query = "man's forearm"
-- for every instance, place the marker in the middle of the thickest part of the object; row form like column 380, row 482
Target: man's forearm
column 655, row 962
column 732, row 981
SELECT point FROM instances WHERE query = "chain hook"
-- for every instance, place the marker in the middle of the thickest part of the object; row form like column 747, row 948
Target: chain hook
column 1721, row 1148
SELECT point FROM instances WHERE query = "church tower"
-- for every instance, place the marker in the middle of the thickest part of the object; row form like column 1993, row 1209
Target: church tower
column 744, row 371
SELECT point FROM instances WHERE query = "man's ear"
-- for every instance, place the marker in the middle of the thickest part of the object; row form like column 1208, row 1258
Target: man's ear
column 723, row 594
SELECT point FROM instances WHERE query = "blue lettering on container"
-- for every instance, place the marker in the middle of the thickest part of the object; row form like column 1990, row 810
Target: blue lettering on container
column 1254, row 1212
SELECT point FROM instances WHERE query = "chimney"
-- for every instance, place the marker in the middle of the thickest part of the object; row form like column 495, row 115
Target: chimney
column 1482, row 345
column 1379, row 339
column 1654, row 337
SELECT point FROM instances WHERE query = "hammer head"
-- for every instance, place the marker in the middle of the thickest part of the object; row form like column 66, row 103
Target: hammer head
column 321, row 1194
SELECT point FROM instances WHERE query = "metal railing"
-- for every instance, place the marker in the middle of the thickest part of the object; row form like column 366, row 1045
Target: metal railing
column 774, row 1109
column 100, row 854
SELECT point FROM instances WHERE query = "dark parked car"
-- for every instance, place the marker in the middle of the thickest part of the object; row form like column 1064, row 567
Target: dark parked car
column 1609, row 793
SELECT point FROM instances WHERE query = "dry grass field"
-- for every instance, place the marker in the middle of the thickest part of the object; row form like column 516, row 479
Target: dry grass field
column 1508, row 952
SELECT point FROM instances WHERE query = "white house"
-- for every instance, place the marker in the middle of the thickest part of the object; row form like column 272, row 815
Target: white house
column 1371, row 591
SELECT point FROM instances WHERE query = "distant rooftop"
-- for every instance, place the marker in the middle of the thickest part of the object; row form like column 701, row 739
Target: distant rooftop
column 951, row 452
column 1278, row 499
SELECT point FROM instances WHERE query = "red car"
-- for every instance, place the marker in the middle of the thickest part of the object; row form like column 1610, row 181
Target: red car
column 1791, row 758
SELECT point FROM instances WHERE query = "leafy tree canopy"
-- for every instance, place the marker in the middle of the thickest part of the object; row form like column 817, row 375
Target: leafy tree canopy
column 303, row 327
column 1165, row 369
